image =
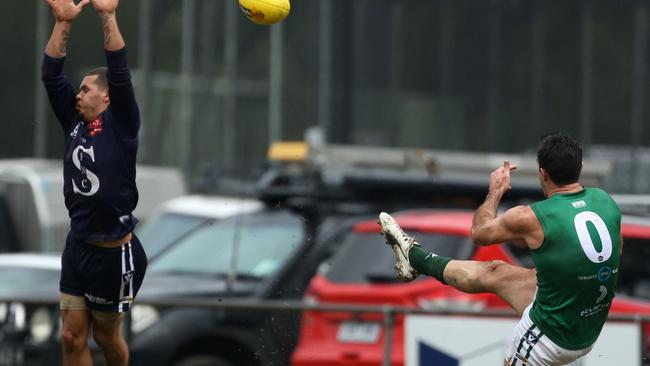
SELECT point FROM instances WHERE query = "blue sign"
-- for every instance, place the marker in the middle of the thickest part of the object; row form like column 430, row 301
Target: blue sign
column 431, row 356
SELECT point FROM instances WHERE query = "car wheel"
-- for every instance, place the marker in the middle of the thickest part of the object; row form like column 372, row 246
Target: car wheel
column 205, row 360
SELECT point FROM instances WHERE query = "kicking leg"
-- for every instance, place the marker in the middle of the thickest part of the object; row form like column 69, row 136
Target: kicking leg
column 515, row 285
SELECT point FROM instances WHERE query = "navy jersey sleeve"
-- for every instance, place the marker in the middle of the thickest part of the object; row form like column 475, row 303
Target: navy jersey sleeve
column 59, row 91
column 121, row 94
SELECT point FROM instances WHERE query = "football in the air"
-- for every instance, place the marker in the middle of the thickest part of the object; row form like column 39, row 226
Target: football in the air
column 265, row 12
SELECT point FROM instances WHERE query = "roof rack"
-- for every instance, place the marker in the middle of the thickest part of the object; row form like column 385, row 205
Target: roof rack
column 318, row 173
column 633, row 204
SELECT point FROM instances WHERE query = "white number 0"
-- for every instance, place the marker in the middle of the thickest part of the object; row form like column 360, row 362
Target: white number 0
column 587, row 244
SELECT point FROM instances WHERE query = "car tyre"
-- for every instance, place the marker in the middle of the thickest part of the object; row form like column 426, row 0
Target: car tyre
column 204, row 360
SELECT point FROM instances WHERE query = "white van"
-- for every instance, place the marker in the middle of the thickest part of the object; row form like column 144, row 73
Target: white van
column 33, row 212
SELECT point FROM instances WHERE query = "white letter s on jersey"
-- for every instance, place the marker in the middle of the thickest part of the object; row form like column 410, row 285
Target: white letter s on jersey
column 90, row 176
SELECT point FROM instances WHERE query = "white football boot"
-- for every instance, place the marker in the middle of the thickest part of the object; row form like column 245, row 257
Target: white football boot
column 401, row 244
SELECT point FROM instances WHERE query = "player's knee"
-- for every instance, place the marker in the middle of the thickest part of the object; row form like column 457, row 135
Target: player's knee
column 492, row 275
column 73, row 342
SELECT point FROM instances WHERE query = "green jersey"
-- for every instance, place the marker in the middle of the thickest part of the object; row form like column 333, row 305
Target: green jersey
column 577, row 266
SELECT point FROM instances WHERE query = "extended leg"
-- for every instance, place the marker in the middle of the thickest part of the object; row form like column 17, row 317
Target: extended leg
column 515, row 285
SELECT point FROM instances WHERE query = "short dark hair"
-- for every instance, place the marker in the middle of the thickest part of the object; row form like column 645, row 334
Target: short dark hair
column 101, row 80
column 561, row 157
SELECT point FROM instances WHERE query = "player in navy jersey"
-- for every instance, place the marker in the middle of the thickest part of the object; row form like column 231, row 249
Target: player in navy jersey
column 103, row 263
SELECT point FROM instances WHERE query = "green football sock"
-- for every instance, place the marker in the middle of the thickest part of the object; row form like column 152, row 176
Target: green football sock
column 428, row 263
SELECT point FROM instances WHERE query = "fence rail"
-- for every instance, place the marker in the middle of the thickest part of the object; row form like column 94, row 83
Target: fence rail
column 389, row 311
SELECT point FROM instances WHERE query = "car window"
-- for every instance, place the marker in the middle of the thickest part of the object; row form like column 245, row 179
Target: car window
column 256, row 245
column 17, row 280
column 364, row 258
column 634, row 271
column 160, row 231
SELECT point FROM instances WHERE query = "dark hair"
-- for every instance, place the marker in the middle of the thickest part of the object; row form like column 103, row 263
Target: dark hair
column 101, row 81
column 561, row 157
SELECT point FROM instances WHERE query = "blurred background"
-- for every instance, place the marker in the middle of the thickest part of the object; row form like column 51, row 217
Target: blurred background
column 462, row 75
column 266, row 253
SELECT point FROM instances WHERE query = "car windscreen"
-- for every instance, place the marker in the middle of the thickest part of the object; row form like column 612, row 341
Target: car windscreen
column 365, row 258
column 18, row 280
column 251, row 245
column 160, row 231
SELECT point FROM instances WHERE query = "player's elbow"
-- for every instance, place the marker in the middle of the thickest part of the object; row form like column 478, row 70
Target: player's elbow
column 480, row 237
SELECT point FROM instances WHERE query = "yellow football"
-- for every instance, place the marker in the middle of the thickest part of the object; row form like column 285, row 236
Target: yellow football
column 265, row 12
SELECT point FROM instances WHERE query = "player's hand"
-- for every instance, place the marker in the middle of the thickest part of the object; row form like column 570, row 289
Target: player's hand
column 500, row 178
column 66, row 10
column 105, row 6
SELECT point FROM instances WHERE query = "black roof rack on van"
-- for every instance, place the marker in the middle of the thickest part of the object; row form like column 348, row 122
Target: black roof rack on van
column 325, row 175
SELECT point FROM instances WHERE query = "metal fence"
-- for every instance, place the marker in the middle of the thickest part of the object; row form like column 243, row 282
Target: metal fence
column 388, row 312
column 445, row 74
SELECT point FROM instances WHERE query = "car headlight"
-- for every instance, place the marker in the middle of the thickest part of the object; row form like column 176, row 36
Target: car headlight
column 41, row 325
column 142, row 317
column 16, row 316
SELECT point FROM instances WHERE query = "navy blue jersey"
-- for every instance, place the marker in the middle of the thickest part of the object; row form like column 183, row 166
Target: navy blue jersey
column 100, row 155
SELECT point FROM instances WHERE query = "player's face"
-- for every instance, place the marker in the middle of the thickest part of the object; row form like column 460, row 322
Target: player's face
column 91, row 99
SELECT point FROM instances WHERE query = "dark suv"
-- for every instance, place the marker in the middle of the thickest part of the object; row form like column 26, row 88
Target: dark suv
column 268, row 255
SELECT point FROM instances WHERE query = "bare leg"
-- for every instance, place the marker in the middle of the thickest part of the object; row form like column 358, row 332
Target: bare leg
column 74, row 337
column 515, row 285
column 106, row 332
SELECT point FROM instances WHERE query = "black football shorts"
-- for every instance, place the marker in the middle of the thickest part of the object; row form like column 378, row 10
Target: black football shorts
column 108, row 278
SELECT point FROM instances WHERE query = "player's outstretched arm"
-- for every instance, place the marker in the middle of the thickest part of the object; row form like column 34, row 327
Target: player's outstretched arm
column 65, row 12
column 120, row 87
column 58, row 87
column 113, row 40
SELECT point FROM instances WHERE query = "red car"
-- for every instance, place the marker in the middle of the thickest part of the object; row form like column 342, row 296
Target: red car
column 361, row 272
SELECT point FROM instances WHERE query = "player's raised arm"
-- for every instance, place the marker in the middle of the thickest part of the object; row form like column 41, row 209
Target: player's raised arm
column 120, row 87
column 59, row 90
column 65, row 11
column 113, row 40
column 518, row 224
column 485, row 217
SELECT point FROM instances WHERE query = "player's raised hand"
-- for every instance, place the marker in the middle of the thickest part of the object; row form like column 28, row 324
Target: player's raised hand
column 500, row 178
column 66, row 10
column 105, row 6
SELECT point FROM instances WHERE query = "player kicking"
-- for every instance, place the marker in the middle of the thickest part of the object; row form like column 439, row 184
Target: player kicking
column 574, row 236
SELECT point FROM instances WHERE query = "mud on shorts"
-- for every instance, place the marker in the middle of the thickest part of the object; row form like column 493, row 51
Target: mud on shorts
column 530, row 347
column 107, row 278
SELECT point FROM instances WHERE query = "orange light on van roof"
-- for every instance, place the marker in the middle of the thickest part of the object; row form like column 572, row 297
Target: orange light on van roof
column 290, row 151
